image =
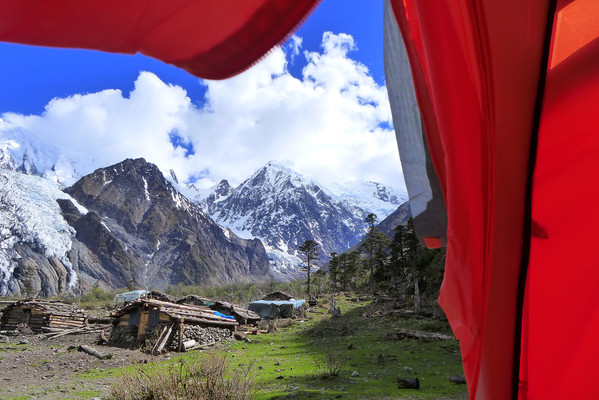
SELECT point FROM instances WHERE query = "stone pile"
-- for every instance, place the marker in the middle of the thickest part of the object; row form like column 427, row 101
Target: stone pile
column 123, row 336
column 202, row 335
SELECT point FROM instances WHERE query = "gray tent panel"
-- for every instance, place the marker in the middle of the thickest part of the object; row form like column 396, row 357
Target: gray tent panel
column 426, row 198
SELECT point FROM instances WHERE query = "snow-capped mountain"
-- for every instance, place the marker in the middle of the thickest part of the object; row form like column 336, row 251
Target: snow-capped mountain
column 135, row 227
column 22, row 151
column 283, row 208
column 277, row 204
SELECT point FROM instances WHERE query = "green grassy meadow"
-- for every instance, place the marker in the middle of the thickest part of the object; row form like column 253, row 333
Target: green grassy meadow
column 347, row 358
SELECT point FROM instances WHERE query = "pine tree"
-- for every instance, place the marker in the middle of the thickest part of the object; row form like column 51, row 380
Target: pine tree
column 398, row 259
column 334, row 269
column 353, row 267
column 310, row 253
column 416, row 263
column 376, row 243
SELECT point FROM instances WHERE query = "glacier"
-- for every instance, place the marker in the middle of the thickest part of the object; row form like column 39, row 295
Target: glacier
column 29, row 214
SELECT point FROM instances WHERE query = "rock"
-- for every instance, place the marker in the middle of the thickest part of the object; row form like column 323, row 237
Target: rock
column 457, row 379
column 355, row 373
column 408, row 383
column 280, row 377
column 337, row 313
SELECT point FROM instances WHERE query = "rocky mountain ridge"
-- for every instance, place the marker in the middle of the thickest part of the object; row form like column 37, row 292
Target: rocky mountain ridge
column 135, row 228
column 277, row 205
column 283, row 208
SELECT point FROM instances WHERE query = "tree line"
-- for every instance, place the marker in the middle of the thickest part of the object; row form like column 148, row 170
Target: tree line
column 400, row 267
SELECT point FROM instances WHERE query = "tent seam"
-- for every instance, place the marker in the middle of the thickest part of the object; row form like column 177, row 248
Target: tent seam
column 527, row 223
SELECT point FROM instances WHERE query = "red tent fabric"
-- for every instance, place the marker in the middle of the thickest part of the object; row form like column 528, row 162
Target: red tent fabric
column 503, row 93
column 561, row 319
column 507, row 91
column 210, row 39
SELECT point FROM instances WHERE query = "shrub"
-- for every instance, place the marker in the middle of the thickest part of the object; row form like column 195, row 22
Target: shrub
column 206, row 378
column 332, row 365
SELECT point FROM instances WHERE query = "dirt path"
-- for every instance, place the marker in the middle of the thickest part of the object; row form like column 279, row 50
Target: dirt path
column 32, row 367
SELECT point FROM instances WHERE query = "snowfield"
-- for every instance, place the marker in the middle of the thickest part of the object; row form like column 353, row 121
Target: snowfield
column 29, row 214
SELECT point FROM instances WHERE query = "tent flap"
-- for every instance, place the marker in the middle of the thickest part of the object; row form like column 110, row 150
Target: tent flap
column 210, row 39
column 476, row 68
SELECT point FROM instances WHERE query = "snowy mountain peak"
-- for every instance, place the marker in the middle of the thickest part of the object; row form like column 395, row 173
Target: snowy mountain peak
column 23, row 151
column 223, row 189
column 284, row 207
column 276, row 176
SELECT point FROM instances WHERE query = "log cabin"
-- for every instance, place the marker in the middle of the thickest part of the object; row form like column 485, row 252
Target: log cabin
column 43, row 316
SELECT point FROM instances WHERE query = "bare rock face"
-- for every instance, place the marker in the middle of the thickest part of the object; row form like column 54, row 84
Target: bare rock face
column 140, row 228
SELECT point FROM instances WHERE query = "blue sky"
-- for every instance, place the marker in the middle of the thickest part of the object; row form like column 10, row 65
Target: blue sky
column 30, row 77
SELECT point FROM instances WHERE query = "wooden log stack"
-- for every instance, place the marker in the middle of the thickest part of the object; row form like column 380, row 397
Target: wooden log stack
column 43, row 315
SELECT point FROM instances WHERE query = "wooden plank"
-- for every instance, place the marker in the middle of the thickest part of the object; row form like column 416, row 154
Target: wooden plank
column 164, row 317
column 66, row 326
column 211, row 322
column 144, row 317
column 164, row 338
column 66, row 323
column 181, row 327
column 61, row 318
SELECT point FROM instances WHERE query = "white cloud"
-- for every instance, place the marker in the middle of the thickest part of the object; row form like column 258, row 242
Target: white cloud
column 295, row 44
column 328, row 122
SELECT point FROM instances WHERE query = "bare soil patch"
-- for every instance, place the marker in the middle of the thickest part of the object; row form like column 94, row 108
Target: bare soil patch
column 33, row 367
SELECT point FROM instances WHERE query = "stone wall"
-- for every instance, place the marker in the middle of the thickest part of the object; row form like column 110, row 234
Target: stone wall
column 124, row 336
column 202, row 335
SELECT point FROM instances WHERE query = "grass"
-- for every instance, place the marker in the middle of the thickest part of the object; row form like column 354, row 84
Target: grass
column 376, row 361
column 86, row 394
column 12, row 347
column 298, row 361
column 317, row 358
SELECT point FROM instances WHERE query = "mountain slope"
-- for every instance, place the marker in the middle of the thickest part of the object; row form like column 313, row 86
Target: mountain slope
column 284, row 208
column 34, row 237
column 136, row 228
column 174, row 240
column 22, row 151
column 393, row 220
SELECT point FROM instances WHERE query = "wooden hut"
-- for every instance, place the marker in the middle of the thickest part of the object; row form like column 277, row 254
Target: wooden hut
column 149, row 318
column 158, row 295
column 194, row 300
column 242, row 315
column 277, row 296
column 43, row 316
